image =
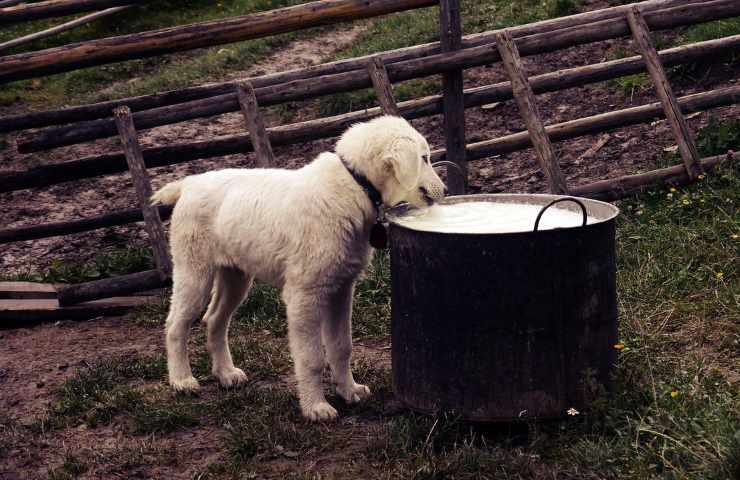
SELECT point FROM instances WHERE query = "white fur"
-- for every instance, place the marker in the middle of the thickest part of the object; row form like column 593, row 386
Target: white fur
column 305, row 231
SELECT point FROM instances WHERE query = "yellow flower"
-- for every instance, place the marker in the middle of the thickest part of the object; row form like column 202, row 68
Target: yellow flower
column 672, row 190
column 702, row 177
column 685, row 201
column 674, row 393
column 719, row 275
column 735, row 236
column 619, row 346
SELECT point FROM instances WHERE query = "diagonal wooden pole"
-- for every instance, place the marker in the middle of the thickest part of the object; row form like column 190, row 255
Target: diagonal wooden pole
column 383, row 87
column 264, row 158
column 152, row 220
column 686, row 146
column 528, row 109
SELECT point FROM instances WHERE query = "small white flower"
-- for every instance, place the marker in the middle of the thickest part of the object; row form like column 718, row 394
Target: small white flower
column 573, row 412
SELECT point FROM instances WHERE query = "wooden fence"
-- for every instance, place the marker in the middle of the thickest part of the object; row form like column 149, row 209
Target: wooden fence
column 449, row 57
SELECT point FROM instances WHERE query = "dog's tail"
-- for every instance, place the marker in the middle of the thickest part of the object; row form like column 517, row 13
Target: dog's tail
column 169, row 194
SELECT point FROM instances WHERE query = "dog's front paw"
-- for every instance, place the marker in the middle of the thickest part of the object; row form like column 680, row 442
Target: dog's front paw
column 185, row 385
column 231, row 378
column 319, row 411
column 354, row 393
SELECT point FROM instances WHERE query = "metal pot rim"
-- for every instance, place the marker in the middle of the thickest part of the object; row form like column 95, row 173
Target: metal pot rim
column 601, row 211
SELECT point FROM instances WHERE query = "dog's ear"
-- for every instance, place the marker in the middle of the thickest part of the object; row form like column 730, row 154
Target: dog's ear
column 405, row 161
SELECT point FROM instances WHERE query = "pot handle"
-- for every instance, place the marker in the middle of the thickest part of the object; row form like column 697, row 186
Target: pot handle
column 448, row 164
column 565, row 199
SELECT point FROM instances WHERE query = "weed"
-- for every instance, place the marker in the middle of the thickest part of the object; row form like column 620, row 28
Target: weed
column 104, row 265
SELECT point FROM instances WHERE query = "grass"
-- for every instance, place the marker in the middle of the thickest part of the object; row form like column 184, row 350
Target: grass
column 674, row 413
column 138, row 77
column 412, row 28
column 109, row 264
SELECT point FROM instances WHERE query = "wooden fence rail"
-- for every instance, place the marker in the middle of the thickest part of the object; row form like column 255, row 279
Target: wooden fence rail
column 332, row 126
column 400, row 71
column 476, row 151
column 146, row 102
column 56, row 8
column 197, row 35
column 47, row 175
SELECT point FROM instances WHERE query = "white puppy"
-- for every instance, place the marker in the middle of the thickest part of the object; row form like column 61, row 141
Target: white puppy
column 305, row 231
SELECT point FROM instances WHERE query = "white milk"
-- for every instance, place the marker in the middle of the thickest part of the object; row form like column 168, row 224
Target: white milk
column 488, row 217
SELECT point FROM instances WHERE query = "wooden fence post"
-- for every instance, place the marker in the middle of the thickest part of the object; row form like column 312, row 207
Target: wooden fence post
column 264, row 157
column 528, row 108
column 641, row 35
column 383, row 87
column 450, row 37
column 136, row 166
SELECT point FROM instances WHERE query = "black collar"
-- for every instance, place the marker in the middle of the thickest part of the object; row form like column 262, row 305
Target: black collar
column 372, row 192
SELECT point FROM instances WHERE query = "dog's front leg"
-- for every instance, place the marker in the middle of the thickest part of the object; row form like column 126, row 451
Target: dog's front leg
column 337, row 336
column 305, row 311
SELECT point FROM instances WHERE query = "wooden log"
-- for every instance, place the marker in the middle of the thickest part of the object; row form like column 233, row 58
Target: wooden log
column 616, row 188
column 26, row 290
column 400, row 71
column 509, row 143
column 110, row 287
column 382, row 86
column 140, row 177
column 524, row 97
column 502, row 145
column 47, row 175
column 55, row 8
column 600, row 123
column 61, row 28
column 453, row 105
column 29, row 312
column 145, row 102
column 197, row 35
column 10, row 3
column 56, row 229
column 686, row 147
column 264, row 157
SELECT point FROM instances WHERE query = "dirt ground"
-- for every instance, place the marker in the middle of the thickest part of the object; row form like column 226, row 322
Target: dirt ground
column 37, row 360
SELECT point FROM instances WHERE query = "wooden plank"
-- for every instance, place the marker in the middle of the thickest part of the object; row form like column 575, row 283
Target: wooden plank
column 602, row 122
column 27, row 290
column 61, row 27
column 46, row 175
column 641, row 35
column 29, row 312
column 152, row 220
column 196, row 35
column 450, row 35
column 146, row 102
column 54, row 229
column 56, row 8
column 110, row 287
column 336, row 83
column 255, row 124
column 528, row 109
column 620, row 187
column 382, row 86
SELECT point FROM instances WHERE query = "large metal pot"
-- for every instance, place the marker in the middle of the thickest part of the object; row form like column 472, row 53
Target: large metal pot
column 504, row 326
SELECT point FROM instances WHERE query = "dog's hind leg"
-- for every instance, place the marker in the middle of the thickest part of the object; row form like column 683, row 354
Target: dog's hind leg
column 190, row 291
column 336, row 332
column 230, row 287
column 305, row 311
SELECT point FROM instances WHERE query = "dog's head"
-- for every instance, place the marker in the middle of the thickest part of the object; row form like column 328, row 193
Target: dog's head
column 395, row 158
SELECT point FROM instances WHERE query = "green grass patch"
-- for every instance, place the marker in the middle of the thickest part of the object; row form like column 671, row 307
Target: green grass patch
column 104, row 265
column 139, row 77
column 422, row 26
